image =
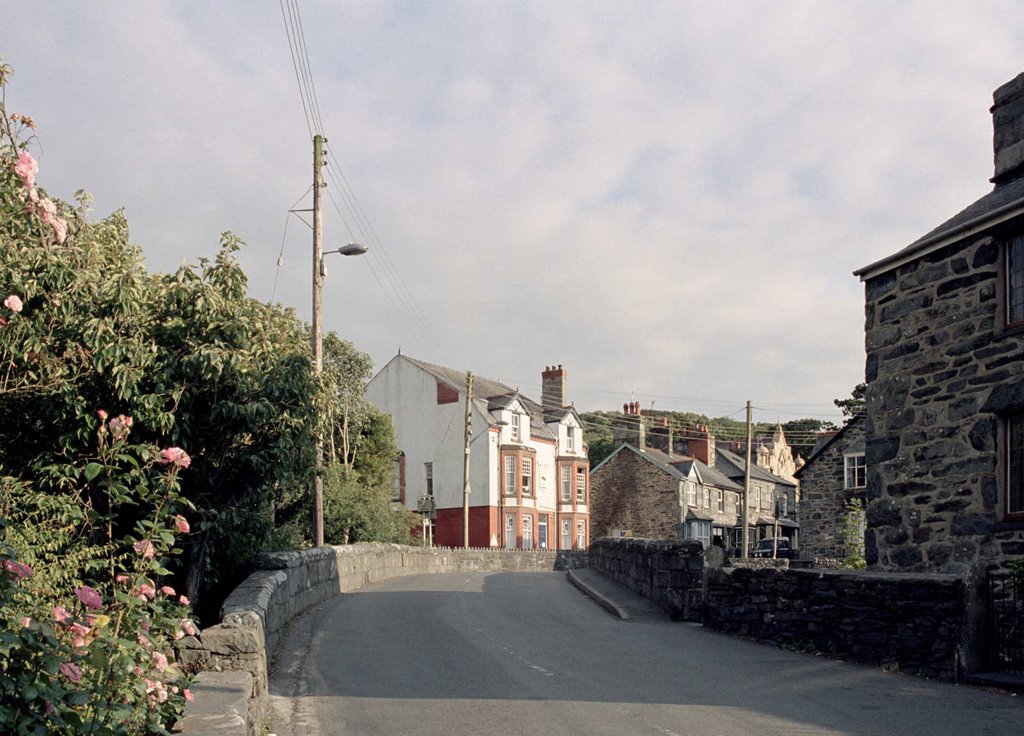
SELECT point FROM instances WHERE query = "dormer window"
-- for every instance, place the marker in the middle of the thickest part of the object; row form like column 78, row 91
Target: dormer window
column 516, row 432
column 570, row 439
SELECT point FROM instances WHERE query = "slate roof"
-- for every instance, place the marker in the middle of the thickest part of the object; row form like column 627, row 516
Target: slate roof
column 1006, row 200
column 678, row 466
column 858, row 446
column 731, row 464
column 488, row 395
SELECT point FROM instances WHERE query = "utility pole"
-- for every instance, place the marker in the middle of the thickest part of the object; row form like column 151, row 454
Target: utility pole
column 318, row 344
column 746, row 487
column 465, row 462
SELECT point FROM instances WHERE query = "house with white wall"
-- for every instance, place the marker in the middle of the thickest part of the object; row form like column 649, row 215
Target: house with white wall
column 529, row 476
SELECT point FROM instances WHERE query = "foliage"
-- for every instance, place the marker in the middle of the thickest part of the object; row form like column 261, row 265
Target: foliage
column 854, row 404
column 853, row 535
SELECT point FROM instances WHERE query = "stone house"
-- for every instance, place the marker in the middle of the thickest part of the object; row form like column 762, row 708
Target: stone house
column 773, row 502
column 649, row 493
column 528, row 469
column 834, row 475
column 945, row 372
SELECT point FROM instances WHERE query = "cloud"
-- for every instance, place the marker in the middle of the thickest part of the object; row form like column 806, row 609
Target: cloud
column 666, row 198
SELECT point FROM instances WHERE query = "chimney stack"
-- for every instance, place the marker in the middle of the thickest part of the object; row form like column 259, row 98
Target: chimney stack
column 1008, row 138
column 552, row 387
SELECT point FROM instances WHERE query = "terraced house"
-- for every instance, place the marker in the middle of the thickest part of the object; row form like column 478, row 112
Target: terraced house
column 528, row 469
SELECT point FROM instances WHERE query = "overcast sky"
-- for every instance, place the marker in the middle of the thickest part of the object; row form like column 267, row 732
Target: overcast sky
column 667, row 198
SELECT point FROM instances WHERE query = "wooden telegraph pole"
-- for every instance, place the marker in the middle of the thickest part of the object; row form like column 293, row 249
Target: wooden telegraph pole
column 318, row 352
column 746, row 487
column 465, row 463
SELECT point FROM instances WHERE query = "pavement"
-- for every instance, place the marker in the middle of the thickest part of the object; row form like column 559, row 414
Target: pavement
column 617, row 599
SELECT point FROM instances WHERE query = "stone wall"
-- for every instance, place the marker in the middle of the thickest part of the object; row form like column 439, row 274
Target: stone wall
column 669, row 573
column 285, row 584
column 910, row 623
column 628, row 492
column 823, row 496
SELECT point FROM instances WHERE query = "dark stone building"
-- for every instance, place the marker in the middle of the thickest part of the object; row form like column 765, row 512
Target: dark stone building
column 945, row 372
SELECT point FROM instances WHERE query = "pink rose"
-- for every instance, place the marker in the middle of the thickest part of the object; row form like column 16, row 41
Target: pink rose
column 60, row 228
column 70, row 670
column 26, row 622
column 167, row 590
column 189, row 697
column 146, row 592
column 122, row 579
column 188, row 627
column 145, row 548
column 18, row 569
column 181, row 523
column 161, row 661
column 60, row 614
column 78, row 634
column 90, row 598
column 143, row 640
column 47, row 210
column 120, row 426
column 183, row 600
column 14, row 303
column 102, row 414
column 26, row 168
column 175, row 456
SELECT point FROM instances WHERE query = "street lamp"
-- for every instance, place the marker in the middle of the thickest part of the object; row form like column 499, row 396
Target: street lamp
column 352, row 249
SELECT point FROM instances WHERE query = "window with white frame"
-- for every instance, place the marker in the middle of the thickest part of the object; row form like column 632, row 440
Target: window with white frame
column 565, row 483
column 855, row 470
column 706, row 497
column 566, row 534
column 428, row 469
column 783, row 504
column 720, row 498
column 1014, row 505
column 581, row 534
column 570, row 439
column 510, row 531
column 526, row 465
column 516, row 432
column 691, row 494
column 581, row 485
column 510, row 475
column 699, row 530
column 527, row 532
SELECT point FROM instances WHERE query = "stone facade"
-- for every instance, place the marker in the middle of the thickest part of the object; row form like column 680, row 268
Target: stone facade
column 824, row 494
column 910, row 623
column 630, row 493
column 668, row 573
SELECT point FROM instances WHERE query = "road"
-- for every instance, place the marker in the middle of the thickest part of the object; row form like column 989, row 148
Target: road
column 527, row 653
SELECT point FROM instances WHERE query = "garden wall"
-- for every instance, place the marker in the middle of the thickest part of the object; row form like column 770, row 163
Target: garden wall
column 913, row 623
column 667, row 572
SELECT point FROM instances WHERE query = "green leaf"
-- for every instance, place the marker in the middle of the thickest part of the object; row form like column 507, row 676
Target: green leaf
column 92, row 470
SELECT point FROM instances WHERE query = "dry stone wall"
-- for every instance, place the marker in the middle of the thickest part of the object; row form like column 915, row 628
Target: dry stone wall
column 910, row 623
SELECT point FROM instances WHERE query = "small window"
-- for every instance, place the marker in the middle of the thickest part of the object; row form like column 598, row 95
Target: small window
column 527, row 532
column 581, row 534
column 570, row 439
column 527, row 467
column 581, row 486
column 566, row 534
column 856, row 470
column 1015, row 466
column 516, row 433
column 1015, row 281
column 510, row 475
column 691, row 494
column 565, row 483
column 706, row 496
column 720, row 497
column 510, row 531
column 428, row 468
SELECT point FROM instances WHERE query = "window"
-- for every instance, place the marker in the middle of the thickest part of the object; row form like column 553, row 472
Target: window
column 429, row 470
column 706, row 496
column 510, row 475
column 720, row 497
column 510, row 531
column 527, row 532
column 581, row 486
column 565, row 480
column 516, row 434
column 783, row 504
column 1015, row 281
column 570, row 439
column 855, row 470
column 527, row 468
column 691, row 494
column 1015, row 466
column 566, row 534
column 581, row 534
column 699, row 530
column 542, row 531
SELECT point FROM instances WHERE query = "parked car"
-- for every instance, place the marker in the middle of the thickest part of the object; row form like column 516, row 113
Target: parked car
column 779, row 546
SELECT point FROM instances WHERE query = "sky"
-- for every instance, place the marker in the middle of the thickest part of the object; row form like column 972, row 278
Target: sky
column 666, row 198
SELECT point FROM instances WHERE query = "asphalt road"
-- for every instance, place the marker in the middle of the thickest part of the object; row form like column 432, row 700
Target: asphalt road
column 527, row 653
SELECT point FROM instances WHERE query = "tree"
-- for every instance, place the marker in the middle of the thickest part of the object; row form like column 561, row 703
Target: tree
column 854, row 404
